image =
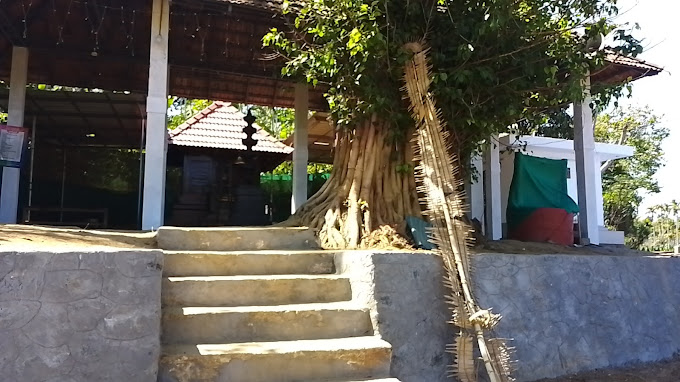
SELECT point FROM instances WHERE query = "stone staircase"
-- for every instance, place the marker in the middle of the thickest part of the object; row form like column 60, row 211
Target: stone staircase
column 261, row 307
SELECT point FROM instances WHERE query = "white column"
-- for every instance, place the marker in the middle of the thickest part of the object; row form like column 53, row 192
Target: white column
column 476, row 190
column 586, row 167
column 492, row 180
column 156, row 109
column 300, row 155
column 599, row 199
column 9, row 195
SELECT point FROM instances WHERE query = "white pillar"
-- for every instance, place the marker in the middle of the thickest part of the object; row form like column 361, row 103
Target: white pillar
column 599, row 198
column 476, row 191
column 586, row 167
column 156, row 109
column 300, row 155
column 492, row 180
column 9, row 195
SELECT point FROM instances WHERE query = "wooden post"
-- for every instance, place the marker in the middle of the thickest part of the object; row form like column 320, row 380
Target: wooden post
column 586, row 167
column 156, row 122
column 492, row 180
column 9, row 196
column 300, row 155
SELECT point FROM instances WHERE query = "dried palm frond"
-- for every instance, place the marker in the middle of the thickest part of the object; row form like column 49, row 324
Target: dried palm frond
column 502, row 356
column 463, row 358
column 440, row 183
column 485, row 318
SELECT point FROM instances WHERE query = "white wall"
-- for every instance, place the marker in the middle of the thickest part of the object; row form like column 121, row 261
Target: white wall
column 507, row 172
column 572, row 189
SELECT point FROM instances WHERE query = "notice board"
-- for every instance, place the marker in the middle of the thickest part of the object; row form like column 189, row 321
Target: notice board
column 13, row 140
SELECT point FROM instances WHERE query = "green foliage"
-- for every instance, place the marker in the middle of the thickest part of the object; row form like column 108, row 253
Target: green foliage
column 624, row 180
column 279, row 187
column 286, row 168
column 181, row 109
column 638, row 234
column 664, row 227
column 112, row 169
column 553, row 123
column 55, row 88
column 279, row 122
column 494, row 62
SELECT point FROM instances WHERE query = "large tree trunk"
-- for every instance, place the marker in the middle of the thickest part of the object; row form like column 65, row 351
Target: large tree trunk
column 371, row 186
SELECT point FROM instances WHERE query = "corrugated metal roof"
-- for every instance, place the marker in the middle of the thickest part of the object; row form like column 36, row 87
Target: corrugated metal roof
column 220, row 126
column 84, row 118
column 270, row 5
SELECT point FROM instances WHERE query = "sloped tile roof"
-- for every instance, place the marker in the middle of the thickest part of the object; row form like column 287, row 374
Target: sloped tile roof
column 619, row 59
column 220, row 126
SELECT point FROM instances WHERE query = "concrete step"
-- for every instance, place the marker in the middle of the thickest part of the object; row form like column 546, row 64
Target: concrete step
column 235, row 238
column 363, row 380
column 284, row 361
column 271, row 323
column 254, row 290
column 198, row 263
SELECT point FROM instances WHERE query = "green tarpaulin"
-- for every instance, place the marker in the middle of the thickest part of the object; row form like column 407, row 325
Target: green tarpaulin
column 537, row 183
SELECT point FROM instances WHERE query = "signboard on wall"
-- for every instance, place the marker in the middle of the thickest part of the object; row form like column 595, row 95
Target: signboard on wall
column 199, row 174
column 13, row 141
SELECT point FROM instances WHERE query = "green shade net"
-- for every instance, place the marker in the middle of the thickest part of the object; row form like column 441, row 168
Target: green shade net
column 279, row 189
column 537, row 183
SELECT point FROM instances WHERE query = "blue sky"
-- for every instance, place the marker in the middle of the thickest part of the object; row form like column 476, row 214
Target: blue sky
column 658, row 20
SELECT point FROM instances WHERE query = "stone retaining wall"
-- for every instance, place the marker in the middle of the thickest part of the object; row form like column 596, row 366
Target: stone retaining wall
column 406, row 298
column 566, row 313
column 95, row 316
column 80, row 316
column 574, row 313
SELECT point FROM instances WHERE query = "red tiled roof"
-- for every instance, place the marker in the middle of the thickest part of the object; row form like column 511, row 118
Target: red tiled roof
column 619, row 59
column 220, row 126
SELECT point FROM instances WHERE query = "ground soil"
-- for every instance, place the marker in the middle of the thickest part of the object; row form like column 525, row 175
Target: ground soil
column 25, row 237
column 526, row 248
column 667, row 371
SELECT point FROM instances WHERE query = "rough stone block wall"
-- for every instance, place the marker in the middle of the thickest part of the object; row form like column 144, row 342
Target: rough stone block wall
column 406, row 297
column 568, row 314
column 80, row 316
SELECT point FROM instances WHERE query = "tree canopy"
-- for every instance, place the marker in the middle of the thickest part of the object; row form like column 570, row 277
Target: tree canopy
column 495, row 62
column 663, row 230
column 625, row 180
column 279, row 122
column 180, row 109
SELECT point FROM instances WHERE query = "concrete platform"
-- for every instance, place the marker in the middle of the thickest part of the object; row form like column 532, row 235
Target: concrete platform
column 369, row 380
column 236, row 238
